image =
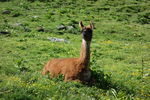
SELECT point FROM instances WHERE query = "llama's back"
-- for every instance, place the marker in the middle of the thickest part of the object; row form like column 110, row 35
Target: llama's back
column 57, row 66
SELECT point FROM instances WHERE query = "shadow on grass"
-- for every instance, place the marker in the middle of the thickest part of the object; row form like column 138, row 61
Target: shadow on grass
column 104, row 81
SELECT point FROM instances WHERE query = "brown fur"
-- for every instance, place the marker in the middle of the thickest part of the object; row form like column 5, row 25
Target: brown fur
column 73, row 68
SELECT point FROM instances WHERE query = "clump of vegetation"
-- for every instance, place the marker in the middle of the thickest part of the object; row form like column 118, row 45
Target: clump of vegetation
column 144, row 18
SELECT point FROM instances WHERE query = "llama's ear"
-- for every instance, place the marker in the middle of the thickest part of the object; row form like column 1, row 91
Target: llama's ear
column 81, row 25
column 92, row 25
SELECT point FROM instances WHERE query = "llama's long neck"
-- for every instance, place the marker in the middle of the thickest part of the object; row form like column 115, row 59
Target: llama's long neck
column 85, row 52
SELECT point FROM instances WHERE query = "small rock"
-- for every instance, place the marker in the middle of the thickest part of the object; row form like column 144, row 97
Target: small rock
column 6, row 12
column 18, row 24
column 61, row 27
column 4, row 32
column 54, row 39
column 35, row 16
column 70, row 27
column 40, row 29
column 146, row 75
column 16, row 15
column 26, row 29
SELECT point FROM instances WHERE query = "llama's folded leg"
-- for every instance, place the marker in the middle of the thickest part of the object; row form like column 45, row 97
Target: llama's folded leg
column 67, row 78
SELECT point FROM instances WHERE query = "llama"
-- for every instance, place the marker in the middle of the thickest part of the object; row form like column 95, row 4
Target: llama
column 74, row 69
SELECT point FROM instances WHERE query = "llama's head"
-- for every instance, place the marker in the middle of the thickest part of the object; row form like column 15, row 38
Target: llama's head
column 86, row 31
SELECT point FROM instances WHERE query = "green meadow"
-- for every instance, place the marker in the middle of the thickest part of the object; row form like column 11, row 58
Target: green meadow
column 120, row 49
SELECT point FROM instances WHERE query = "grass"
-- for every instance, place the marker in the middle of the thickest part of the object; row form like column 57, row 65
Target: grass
column 119, row 52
